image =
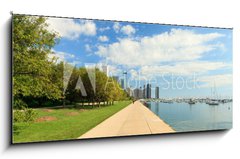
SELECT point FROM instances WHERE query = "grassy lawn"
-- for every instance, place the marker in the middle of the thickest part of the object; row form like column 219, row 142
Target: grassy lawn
column 69, row 123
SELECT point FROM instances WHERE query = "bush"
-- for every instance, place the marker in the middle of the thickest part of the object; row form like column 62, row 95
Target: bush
column 25, row 115
column 19, row 104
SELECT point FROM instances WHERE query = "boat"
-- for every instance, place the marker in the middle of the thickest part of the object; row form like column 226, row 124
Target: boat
column 169, row 101
column 212, row 102
column 191, row 101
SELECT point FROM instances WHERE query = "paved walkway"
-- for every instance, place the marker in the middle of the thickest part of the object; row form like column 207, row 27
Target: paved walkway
column 135, row 119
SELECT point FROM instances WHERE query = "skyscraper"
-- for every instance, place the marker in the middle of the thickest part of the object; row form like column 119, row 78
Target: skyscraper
column 148, row 90
column 136, row 93
column 130, row 92
column 122, row 83
column 144, row 92
column 126, row 80
column 140, row 93
column 157, row 92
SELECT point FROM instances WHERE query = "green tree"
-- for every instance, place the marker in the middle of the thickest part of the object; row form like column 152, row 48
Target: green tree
column 33, row 72
column 101, row 93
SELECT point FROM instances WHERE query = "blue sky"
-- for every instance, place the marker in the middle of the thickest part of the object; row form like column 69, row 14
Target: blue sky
column 159, row 53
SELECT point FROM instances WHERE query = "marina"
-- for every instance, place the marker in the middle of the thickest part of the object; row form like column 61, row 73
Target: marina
column 208, row 101
column 188, row 115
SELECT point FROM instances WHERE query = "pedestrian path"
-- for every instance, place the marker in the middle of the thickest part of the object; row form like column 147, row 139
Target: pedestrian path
column 135, row 119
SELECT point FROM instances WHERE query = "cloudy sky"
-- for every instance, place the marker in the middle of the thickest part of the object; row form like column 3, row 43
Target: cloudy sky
column 183, row 61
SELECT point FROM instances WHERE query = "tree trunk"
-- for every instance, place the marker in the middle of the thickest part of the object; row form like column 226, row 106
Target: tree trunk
column 63, row 102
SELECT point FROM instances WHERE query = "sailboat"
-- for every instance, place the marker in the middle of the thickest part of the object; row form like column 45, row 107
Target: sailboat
column 191, row 101
column 213, row 101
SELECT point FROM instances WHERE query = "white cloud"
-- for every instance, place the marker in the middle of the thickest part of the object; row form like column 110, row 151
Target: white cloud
column 176, row 45
column 134, row 74
column 88, row 48
column 128, row 30
column 103, row 38
column 114, row 70
column 184, row 68
column 217, row 80
column 60, row 56
column 104, row 29
column 116, row 27
column 71, row 29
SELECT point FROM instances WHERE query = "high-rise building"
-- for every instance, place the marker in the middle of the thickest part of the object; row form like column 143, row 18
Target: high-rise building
column 122, row 83
column 148, row 90
column 140, row 93
column 136, row 93
column 144, row 92
column 130, row 92
column 157, row 92
column 126, row 80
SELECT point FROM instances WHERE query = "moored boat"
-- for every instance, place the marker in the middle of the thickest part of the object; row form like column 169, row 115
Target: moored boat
column 191, row 101
column 212, row 102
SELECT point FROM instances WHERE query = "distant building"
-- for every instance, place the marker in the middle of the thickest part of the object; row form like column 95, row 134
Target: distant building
column 144, row 92
column 130, row 92
column 122, row 83
column 126, row 79
column 140, row 93
column 136, row 93
column 157, row 92
column 148, row 91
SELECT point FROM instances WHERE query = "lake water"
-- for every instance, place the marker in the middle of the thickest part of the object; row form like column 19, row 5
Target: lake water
column 200, row 116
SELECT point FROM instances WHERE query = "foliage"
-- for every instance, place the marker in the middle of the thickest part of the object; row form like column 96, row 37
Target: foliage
column 32, row 70
column 107, row 89
column 24, row 115
column 39, row 80
column 19, row 104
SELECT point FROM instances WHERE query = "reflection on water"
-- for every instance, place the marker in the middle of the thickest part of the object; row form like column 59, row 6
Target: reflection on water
column 200, row 116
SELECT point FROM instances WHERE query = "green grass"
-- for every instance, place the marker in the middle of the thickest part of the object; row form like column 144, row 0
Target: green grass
column 65, row 127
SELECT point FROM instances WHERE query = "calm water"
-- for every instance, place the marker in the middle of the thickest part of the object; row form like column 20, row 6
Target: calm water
column 200, row 116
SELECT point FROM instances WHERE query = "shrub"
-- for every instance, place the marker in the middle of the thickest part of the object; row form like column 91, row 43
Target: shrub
column 25, row 115
column 30, row 115
column 19, row 104
column 18, row 116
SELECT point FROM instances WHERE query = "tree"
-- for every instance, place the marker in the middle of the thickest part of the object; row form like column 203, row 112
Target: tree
column 33, row 72
column 72, row 92
column 101, row 93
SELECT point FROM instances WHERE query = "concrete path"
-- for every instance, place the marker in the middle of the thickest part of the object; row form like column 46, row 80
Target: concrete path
column 135, row 119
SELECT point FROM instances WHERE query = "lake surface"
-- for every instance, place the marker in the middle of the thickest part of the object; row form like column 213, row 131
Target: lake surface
column 200, row 116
